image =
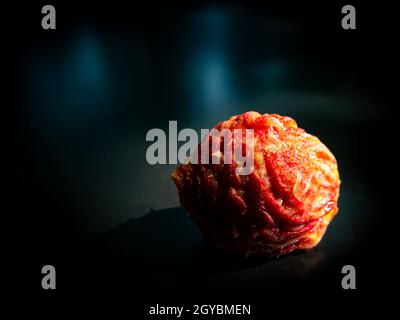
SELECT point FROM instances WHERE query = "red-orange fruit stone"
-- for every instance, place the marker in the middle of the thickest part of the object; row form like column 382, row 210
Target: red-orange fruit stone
column 284, row 204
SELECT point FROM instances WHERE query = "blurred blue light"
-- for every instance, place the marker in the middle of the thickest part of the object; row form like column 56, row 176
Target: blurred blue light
column 214, row 75
column 210, row 74
column 70, row 90
column 88, row 65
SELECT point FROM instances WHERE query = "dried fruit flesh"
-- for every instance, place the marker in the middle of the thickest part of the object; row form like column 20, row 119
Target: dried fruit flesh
column 284, row 204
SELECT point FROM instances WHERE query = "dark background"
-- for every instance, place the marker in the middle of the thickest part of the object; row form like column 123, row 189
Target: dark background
column 83, row 198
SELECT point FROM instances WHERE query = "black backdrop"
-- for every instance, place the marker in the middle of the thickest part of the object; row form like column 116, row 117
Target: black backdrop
column 82, row 197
